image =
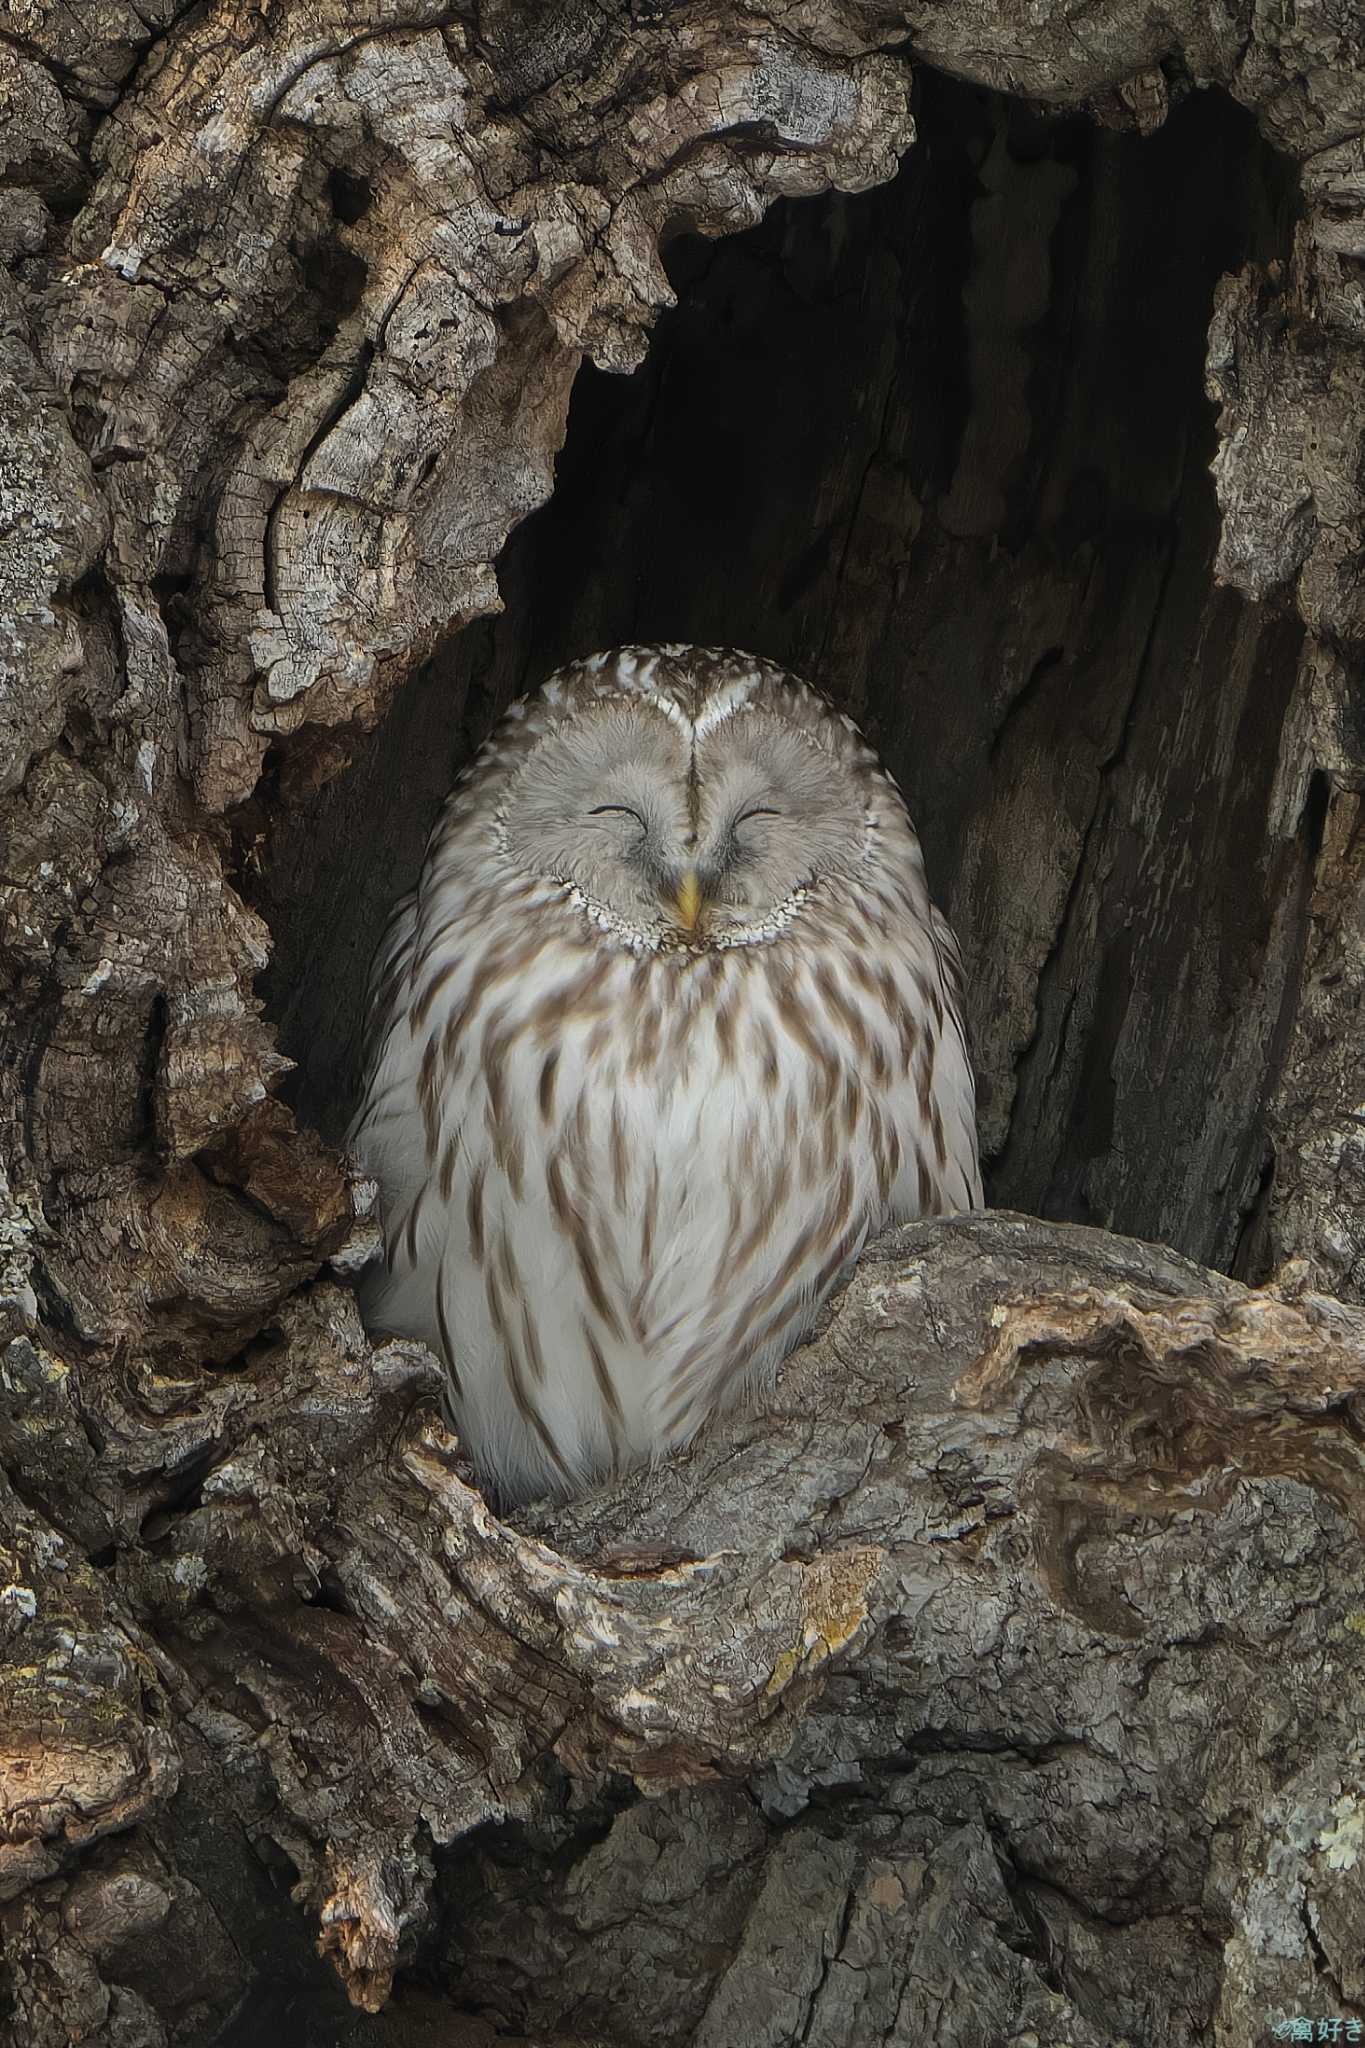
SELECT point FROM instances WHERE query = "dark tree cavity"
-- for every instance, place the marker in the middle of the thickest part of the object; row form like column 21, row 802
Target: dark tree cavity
column 944, row 448
column 1003, row 370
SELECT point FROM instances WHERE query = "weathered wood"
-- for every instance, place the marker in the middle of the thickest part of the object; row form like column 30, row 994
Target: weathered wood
column 1027, row 1612
column 998, row 1680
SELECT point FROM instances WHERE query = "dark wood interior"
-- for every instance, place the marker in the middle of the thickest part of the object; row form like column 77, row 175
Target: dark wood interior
column 943, row 448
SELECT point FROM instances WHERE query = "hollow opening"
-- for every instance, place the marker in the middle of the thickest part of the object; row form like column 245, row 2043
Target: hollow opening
column 943, row 449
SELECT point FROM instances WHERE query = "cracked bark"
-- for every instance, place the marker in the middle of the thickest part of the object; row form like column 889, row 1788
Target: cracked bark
column 996, row 1683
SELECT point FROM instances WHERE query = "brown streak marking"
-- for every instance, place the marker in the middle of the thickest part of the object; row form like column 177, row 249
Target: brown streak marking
column 666, row 1330
column 821, row 1089
column 686, row 1367
column 736, row 1216
column 492, row 1060
column 798, row 1024
column 446, row 1343
column 836, row 1259
column 494, row 1300
column 642, row 1307
column 940, row 1148
column 767, row 1051
column 469, row 914
column 756, row 1236
column 474, row 1215
column 725, row 1033
column 848, row 1012
column 510, row 1155
column 649, row 1217
column 448, row 1165
column 864, row 975
column 382, row 1001
column 483, row 980
column 592, row 1280
column 681, row 1421
column 619, row 1161
column 522, row 1401
column 645, row 1051
column 410, row 1227
column 953, row 1001
column 546, row 1091
column 452, row 1052
column 842, row 1202
column 427, row 1100
column 926, row 1086
column 926, row 1184
column 605, row 1387
column 559, row 1195
column 575, row 1230
column 535, row 1357
column 505, row 1260
column 556, row 1009
column 431, row 991
column 680, row 1040
column 777, row 1285
column 880, row 1156
column 685, row 1399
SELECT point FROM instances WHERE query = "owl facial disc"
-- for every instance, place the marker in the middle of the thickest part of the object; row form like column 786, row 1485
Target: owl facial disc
column 707, row 830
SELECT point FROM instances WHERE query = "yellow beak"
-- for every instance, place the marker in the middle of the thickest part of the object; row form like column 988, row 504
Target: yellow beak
column 687, row 903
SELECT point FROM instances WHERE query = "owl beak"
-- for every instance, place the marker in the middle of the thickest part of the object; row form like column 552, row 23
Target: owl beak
column 688, row 902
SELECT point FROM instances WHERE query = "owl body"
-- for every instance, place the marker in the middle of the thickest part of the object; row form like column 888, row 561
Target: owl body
column 634, row 1109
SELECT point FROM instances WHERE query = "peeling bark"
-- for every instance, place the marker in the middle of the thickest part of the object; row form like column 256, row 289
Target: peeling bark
column 997, row 1682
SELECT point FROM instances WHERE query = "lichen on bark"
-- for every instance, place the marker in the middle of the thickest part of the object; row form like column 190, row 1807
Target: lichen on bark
column 996, row 1681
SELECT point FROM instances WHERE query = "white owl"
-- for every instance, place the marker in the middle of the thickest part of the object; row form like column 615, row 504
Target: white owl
column 668, row 1030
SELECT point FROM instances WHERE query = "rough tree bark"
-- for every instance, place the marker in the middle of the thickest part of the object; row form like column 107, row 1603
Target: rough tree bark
column 997, row 1683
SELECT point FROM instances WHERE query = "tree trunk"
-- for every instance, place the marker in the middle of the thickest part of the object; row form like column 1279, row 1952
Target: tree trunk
column 997, row 1682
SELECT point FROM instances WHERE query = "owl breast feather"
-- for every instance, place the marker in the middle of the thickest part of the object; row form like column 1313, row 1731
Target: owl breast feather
column 615, row 1188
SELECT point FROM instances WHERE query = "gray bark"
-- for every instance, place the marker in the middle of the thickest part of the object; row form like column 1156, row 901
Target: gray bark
column 996, row 1682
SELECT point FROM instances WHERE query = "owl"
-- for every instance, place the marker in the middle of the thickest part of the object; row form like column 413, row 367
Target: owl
column 668, row 1029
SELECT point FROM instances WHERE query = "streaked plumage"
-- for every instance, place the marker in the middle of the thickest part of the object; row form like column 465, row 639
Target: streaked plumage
column 667, row 1031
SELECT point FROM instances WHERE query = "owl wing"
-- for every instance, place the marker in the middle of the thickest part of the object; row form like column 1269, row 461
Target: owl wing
column 951, row 972
column 388, row 974
column 932, row 1102
column 378, row 1132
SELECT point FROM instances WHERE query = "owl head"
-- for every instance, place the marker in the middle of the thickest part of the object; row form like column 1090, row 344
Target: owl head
column 692, row 797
